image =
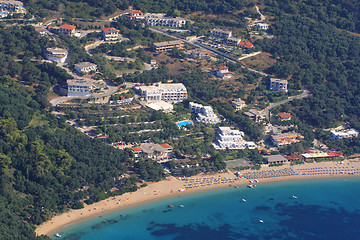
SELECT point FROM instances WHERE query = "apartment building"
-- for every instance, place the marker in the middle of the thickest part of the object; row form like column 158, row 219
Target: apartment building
column 12, row 6
column 232, row 139
column 203, row 114
column 216, row 32
column 233, row 41
column 278, row 84
column 348, row 133
column 110, row 34
column 56, row 54
column 166, row 46
column 79, row 87
column 165, row 21
column 168, row 92
column 85, row 67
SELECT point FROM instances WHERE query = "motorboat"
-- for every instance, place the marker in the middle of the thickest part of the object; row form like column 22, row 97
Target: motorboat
column 251, row 186
column 294, row 196
column 57, row 235
column 261, row 221
column 244, row 200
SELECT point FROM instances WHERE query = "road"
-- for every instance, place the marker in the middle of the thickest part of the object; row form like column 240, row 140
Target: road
column 267, row 111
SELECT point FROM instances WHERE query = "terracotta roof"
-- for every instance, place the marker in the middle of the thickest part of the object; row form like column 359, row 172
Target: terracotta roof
column 223, row 68
column 68, row 27
column 241, row 43
column 135, row 12
column 284, row 115
column 136, row 149
column 249, row 45
column 334, row 154
column 108, row 30
column 165, row 145
column 294, row 157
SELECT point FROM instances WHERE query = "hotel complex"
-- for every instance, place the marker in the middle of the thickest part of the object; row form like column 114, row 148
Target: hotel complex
column 348, row 133
column 9, row 6
column 232, row 139
column 168, row 92
column 205, row 114
column 166, row 46
column 165, row 21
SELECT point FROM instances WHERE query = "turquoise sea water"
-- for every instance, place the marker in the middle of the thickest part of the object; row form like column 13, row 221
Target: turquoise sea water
column 324, row 209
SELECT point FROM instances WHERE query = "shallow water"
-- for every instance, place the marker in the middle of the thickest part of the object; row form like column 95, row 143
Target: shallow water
column 323, row 209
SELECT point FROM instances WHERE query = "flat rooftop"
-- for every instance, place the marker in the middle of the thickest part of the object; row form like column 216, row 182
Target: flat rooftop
column 168, row 43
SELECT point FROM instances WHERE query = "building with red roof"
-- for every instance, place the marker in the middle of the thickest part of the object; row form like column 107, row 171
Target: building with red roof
column 135, row 14
column 284, row 116
column 110, row 34
column 67, row 29
column 245, row 45
column 223, row 72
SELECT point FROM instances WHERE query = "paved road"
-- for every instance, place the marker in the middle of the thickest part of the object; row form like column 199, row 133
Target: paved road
column 267, row 111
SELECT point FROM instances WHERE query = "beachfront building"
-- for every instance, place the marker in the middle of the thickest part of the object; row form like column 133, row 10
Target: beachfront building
column 231, row 139
column 262, row 26
column 276, row 159
column 223, row 72
column 167, row 46
column 159, row 152
column 203, row 114
column 238, row 104
column 348, row 133
column 278, row 84
column 160, row 19
column 284, row 116
column 219, row 33
column 85, row 67
column 67, row 29
column 110, row 34
column 79, row 87
column 168, row 92
column 282, row 139
column 233, row 41
column 135, row 14
column 56, row 54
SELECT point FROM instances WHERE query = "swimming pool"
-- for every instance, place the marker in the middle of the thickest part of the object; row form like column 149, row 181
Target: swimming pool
column 184, row 123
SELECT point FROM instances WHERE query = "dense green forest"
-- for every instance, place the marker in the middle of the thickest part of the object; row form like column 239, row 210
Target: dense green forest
column 343, row 14
column 45, row 165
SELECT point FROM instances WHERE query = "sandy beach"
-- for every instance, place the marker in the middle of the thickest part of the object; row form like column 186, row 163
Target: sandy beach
column 172, row 187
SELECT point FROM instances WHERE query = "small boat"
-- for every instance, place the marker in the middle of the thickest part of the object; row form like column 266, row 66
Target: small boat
column 244, row 200
column 261, row 221
column 171, row 205
column 250, row 186
column 181, row 206
column 57, row 235
column 294, row 196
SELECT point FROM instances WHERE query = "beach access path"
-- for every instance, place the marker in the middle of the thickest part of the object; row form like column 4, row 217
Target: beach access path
column 172, row 187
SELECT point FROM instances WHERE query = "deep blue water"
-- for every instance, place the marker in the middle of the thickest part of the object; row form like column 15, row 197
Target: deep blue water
column 324, row 209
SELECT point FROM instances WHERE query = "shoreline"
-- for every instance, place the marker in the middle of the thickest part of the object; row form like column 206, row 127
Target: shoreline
column 171, row 187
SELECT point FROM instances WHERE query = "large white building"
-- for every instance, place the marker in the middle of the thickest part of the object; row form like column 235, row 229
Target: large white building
column 168, row 92
column 79, row 87
column 232, row 139
column 85, row 67
column 56, row 54
column 12, row 6
column 278, row 84
column 165, row 21
column 221, row 33
column 348, row 133
column 205, row 114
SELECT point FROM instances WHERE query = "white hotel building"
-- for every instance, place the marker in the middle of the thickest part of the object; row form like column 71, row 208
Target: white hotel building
column 168, row 92
column 232, row 139
column 205, row 114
